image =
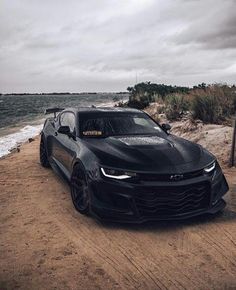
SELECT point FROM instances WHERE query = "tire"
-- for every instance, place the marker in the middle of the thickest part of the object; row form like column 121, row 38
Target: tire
column 79, row 190
column 43, row 155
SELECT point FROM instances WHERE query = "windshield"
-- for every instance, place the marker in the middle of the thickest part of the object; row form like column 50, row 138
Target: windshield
column 123, row 124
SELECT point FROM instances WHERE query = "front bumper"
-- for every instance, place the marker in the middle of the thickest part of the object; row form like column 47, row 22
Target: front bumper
column 123, row 201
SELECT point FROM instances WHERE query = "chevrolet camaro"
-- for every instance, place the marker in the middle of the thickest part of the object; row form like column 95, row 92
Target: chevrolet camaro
column 123, row 166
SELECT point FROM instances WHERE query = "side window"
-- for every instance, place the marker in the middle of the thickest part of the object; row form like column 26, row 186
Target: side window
column 68, row 119
column 141, row 121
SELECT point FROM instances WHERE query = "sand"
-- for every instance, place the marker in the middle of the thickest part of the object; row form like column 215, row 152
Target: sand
column 46, row 244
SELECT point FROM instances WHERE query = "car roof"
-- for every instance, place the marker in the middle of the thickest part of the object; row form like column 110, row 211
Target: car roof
column 103, row 110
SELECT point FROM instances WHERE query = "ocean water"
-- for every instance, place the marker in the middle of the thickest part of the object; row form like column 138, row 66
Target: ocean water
column 22, row 116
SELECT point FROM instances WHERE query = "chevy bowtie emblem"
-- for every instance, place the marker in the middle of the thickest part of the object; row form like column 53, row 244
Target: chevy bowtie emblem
column 176, row 177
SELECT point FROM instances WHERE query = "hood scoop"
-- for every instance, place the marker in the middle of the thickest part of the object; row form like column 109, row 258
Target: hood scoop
column 144, row 141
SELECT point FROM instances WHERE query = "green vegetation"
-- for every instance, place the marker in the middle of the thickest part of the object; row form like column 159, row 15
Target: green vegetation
column 155, row 90
column 209, row 103
column 175, row 106
column 142, row 94
column 213, row 104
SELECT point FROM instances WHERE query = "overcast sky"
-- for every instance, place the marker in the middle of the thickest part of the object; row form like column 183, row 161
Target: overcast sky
column 101, row 45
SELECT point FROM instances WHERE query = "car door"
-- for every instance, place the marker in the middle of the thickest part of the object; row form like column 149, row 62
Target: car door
column 65, row 146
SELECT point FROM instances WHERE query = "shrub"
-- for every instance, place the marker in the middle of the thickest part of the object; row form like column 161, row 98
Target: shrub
column 139, row 103
column 176, row 105
column 207, row 109
column 229, row 99
column 154, row 90
column 214, row 104
column 209, row 103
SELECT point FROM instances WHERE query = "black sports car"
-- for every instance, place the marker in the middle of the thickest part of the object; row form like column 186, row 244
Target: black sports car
column 123, row 166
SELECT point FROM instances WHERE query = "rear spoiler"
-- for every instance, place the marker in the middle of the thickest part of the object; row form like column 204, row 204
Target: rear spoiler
column 53, row 111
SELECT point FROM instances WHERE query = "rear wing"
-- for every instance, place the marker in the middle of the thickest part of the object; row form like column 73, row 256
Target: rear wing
column 53, row 111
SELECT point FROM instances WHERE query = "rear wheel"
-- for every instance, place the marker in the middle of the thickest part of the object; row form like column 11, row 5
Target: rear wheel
column 79, row 190
column 43, row 155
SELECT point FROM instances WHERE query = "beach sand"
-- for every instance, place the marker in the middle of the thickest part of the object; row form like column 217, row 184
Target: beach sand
column 46, row 244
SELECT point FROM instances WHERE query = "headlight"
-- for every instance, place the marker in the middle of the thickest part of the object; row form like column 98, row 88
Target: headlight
column 210, row 168
column 117, row 174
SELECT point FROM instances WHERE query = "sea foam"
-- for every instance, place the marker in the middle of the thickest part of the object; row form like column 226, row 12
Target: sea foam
column 11, row 141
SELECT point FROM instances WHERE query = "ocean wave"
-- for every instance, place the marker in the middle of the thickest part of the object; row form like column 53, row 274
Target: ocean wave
column 13, row 140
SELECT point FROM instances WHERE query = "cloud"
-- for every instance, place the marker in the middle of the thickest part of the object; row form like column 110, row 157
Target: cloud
column 213, row 27
column 101, row 45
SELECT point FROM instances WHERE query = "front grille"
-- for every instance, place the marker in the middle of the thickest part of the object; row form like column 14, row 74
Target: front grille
column 173, row 200
column 167, row 177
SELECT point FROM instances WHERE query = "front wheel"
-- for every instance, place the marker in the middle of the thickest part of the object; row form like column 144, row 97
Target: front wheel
column 43, row 155
column 79, row 190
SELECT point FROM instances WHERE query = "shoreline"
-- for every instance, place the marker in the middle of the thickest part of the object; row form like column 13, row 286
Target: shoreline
column 11, row 142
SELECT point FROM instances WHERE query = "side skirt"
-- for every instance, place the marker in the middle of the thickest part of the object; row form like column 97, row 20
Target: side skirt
column 60, row 169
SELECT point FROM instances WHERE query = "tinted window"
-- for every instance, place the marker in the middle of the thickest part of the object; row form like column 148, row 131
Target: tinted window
column 68, row 119
column 123, row 124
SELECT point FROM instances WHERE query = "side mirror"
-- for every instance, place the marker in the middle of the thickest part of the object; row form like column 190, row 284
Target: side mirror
column 166, row 127
column 64, row 130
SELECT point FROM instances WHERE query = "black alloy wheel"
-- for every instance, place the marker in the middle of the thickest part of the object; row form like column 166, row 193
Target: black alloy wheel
column 80, row 190
column 43, row 155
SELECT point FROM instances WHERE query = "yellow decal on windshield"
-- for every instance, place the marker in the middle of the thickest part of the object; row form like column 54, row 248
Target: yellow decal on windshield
column 92, row 133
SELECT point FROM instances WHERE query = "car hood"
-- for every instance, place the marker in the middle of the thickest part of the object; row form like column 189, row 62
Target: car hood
column 150, row 153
